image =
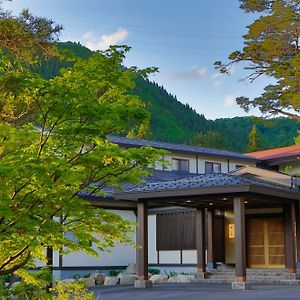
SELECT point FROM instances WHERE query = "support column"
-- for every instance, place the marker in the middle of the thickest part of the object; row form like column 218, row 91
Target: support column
column 210, row 239
column 142, row 250
column 290, row 243
column 200, row 243
column 240, row 244
column 49, row 254
column 297, row 212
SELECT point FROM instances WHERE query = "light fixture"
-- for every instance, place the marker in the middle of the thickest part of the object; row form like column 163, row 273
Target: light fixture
column 189, row 201
column 246, row 202
column 224, row 198
column 211, row 204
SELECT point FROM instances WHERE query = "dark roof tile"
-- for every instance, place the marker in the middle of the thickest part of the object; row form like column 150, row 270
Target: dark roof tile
column 180, row 148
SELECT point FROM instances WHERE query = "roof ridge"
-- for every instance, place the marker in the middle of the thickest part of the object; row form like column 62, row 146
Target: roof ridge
column 176, row 146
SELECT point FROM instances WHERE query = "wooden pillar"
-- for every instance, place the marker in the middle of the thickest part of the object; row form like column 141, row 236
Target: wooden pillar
column 240, row 239
column 297, row 213
column 210, row 239
column 142, row 249
column 290, row 245
column 49, row 254
column 200, row 240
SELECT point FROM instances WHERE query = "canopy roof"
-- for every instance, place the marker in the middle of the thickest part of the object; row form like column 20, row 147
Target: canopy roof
column 165, row 188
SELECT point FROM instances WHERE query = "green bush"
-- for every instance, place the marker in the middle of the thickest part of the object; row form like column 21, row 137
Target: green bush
column 5, row 278
column 171, row 273
column 154, row 271
column 76, row 276
column 113, row 273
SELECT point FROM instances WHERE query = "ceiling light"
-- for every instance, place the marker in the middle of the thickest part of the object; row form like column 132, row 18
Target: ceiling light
column 224, row 198
column 246, row 202
column 211, row 203
column 189, row 201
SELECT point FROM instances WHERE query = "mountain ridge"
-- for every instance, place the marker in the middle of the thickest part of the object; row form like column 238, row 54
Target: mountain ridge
column 175, row 122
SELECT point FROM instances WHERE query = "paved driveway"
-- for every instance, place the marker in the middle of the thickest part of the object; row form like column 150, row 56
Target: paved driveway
column 197, row 291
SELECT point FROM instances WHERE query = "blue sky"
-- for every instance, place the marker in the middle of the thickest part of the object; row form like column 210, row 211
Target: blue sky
column 182, row 38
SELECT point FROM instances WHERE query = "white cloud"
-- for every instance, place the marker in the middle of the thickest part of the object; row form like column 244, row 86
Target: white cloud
column 229, row 100
column 216, row 77
column 94, row 42
column 217, row 83
column 191, row 74
column 231, row 70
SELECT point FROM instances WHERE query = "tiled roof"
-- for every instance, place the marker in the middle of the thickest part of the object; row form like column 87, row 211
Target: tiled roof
column 180, row 148
column 276, row 153
column 203, row 181
column 156, row 176
column 166, row 180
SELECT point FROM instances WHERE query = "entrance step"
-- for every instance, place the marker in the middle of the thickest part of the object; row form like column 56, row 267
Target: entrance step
column 254, row 276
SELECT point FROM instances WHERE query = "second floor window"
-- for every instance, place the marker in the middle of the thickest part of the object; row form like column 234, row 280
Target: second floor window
column 180, row 165
column 212, row 167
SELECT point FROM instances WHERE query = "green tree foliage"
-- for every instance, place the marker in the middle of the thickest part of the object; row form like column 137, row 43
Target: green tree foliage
column 210, row 139
column 271, row 48
column 26, row 36
column 254, row 140
column 53, row 146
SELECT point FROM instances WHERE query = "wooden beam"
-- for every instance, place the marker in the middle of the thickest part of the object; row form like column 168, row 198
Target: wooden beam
column 240, row 239
column 200, row 240
column 290, row 243
column 210, row 238
column 142, row 241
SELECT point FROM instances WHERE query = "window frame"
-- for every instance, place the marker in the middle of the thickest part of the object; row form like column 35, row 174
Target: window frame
column 179, row 163
column 213, row 164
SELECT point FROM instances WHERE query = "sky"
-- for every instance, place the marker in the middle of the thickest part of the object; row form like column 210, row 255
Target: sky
column 182, row 38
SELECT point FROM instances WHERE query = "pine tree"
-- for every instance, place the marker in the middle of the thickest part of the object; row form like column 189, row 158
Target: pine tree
column 254, row 140
column 271, row 48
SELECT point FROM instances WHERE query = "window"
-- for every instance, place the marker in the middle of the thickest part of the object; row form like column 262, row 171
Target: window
column 212, row 167
column 176, row 231
column 180, row 164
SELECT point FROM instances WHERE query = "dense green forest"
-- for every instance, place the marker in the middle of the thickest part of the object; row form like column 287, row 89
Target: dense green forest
column 173, row 121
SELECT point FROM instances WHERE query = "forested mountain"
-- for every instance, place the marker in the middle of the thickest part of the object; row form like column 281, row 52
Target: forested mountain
column 173, row 121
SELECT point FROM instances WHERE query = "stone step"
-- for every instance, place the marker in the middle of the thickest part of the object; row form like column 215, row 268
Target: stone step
column 249, row 272
column 262, row 281
column 249, row 275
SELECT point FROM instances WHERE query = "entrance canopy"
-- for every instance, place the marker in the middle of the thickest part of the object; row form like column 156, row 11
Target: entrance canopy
column 165, row 189
column 200, row 192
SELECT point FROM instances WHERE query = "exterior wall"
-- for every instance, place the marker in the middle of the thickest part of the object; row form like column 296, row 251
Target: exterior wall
column 191, row 158
column 229, row 219
column 189, row 257
column 152, row 253
column 121, row 255
column 227, row 165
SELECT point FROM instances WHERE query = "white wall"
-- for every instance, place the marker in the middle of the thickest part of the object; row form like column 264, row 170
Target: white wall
column 121, row 255
column 202, row 160
column 189, row 257
column 169, row 257
column 152, row 253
